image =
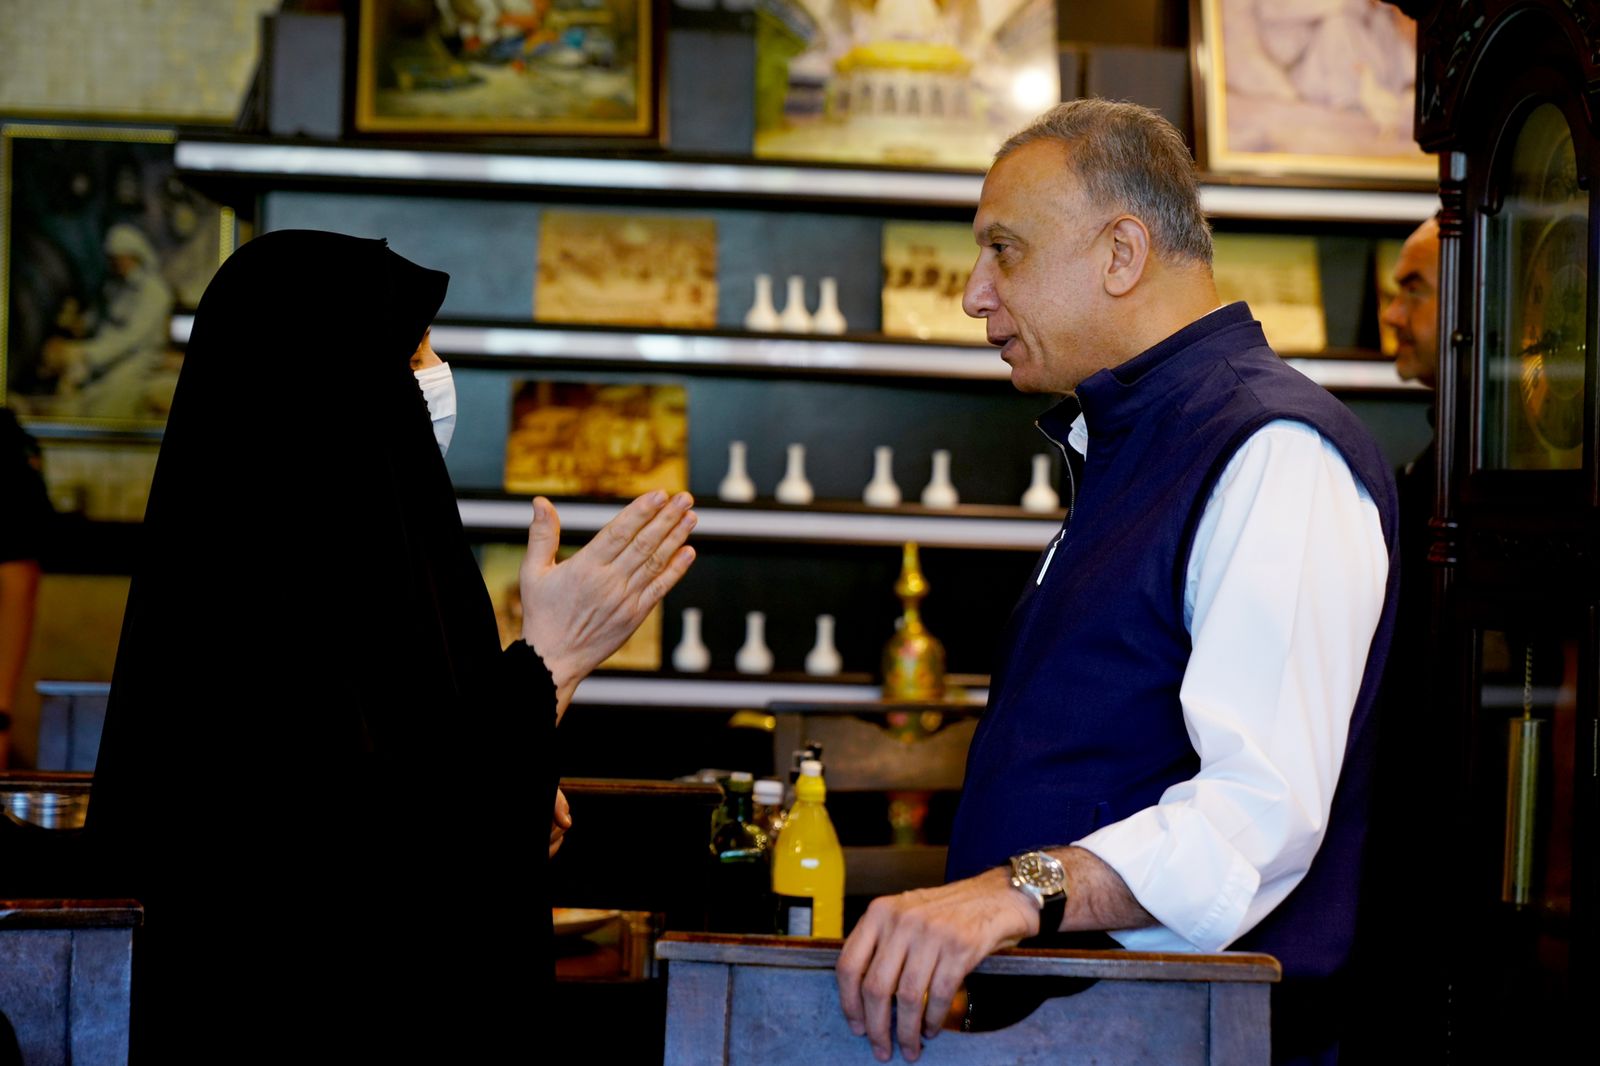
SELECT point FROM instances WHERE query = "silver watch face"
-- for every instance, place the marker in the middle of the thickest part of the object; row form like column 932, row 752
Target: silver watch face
column 1039, row 871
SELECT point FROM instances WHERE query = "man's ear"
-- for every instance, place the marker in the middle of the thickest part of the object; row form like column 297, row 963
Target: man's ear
column 1130, row 251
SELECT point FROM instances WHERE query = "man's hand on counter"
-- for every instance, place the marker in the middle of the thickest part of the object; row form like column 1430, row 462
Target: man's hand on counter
column 915, row 949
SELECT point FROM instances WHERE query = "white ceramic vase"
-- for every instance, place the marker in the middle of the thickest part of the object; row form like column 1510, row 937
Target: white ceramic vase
column 736, row 487
column 794, row 488
column 1040, row 496
column 828, row 318
column 823, row 659
column 754, row 656
column 940, row 492
column 762, row 316
column 795, row 317
column 881, row 491
column 691, row 656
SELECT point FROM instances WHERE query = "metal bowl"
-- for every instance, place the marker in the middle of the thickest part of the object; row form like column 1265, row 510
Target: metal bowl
column 48, row 810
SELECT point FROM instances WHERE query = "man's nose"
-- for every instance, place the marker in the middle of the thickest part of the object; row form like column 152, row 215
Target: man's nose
column 978, row 299
column 1394, row 314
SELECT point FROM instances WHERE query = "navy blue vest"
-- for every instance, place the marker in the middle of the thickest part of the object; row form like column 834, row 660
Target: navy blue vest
column 1084, row 726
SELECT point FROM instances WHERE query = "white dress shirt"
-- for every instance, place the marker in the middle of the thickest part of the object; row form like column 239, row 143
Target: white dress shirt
column 1284, row 589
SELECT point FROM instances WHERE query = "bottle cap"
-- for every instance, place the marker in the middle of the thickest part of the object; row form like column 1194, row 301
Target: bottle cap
column 769, row 790
column 739, row 782
column 742, row 775
column 810, row 787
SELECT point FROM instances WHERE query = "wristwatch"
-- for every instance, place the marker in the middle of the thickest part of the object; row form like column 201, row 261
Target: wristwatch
column 1041, row 877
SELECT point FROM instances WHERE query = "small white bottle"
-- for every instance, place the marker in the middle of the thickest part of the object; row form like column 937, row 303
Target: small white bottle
column 691, row 656
column 769, row 812
column 794, row 488
column 762, row 316
column 828, row 319
column 736, row 487
column 1040, row 496
column 881, row 491
column 823, row 659
column 754, row 656
column 940, row 492
column 795, row 317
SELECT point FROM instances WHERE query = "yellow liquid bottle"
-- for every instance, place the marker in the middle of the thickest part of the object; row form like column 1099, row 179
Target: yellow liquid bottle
column 808, row 864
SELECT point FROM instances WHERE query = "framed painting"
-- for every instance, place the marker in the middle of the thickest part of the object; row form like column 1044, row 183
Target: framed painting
column 614, row 440
column 910, row 83
column 501, row 565
column 101, row 243
column 925, row 270
column 1307, row 90
column 187, row 61
column 1279, row 276
column 626, row 270
column 576, row 68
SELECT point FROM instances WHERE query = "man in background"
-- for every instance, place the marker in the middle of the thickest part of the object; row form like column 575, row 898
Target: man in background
column 1403, row 1009
column 1413, row 312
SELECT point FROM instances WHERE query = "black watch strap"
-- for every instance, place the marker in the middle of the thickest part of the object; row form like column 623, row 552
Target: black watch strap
column 1050, row 915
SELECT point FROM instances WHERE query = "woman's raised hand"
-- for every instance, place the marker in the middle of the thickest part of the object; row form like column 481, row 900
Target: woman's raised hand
column 577, row 612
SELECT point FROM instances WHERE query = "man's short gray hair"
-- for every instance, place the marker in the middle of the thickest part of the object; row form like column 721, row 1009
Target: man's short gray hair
column 1129, row 157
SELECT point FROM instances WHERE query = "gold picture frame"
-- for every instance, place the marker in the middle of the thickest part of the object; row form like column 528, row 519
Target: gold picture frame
column 1302, row 92
column 565, row 68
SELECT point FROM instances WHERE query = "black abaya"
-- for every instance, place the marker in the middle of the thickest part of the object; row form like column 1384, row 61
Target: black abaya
column 320, row 773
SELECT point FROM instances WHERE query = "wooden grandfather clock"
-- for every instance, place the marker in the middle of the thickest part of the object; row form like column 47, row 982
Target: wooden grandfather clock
column 1508, row 92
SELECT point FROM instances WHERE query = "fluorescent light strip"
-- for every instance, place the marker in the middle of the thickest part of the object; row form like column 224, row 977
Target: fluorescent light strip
column 1345, row 205
column 928, row 530
column 691, row 692
column 668, row 349
column 1353, row 374
column 728, row 180
column 645, row 175
column 905, row 360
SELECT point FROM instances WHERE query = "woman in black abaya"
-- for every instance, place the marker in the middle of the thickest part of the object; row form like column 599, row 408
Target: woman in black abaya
column 320, row 773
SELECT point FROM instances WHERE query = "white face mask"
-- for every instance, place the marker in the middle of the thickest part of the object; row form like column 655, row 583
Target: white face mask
column 439, row 389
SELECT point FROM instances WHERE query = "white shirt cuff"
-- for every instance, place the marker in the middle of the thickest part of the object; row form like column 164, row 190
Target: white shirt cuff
column 1209, row 907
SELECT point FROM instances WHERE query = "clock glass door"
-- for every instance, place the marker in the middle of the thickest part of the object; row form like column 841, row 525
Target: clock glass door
column 1536, row 306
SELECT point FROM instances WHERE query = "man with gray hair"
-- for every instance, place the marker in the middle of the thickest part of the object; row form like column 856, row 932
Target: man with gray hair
column 1177, row 744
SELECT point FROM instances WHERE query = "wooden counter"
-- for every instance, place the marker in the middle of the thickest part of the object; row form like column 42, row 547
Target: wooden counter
column 65, row 978
column 773, row 1001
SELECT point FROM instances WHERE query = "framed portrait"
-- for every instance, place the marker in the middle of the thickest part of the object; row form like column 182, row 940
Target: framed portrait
column 101, row 244
column 626, row 270
column 613, row 440
column 901, row 82
column 501, row 565
column 575, row 68
column 1309, row 90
